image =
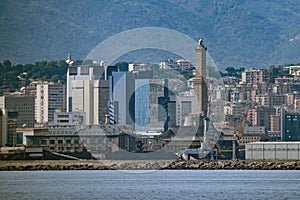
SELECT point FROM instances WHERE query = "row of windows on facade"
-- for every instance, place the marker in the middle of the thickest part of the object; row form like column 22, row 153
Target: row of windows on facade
column 65, row 148
column 45, row 142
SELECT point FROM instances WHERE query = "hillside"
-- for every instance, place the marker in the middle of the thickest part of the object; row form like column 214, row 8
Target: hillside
column 237, row 33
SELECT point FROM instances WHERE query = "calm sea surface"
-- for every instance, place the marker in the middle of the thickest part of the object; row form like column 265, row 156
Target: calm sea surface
column 177, row 184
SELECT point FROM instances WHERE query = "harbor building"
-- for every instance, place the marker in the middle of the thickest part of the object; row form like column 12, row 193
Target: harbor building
column 273, row 151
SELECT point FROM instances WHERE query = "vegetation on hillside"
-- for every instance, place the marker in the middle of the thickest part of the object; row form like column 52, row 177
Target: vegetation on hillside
column 12, row 77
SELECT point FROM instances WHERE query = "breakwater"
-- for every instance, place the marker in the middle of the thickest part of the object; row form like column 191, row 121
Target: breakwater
column 29, row 165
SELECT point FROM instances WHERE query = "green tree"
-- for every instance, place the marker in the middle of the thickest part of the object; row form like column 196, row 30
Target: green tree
column 7, row 64
column 230, row 71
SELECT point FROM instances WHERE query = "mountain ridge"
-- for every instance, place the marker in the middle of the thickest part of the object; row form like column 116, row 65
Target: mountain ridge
column 238, row 33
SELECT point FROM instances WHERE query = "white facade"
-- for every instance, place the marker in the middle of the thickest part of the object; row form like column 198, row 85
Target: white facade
column 168, row 64
column 138, row 67
column 184, row 64
column 50, row 96
column 273, row 151
column 85, row 99
column 41, row 102
column 69, row 118
column 81, row 72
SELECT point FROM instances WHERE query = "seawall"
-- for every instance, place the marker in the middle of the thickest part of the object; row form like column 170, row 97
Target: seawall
column 30, row 165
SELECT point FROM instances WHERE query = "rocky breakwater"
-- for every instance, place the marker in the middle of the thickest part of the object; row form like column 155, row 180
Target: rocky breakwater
column 84, row 165
column 236, row 165
column 149, row 165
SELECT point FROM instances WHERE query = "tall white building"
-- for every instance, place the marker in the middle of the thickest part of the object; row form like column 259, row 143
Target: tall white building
column 50, row 96
column 91, row 97
column 78, row 70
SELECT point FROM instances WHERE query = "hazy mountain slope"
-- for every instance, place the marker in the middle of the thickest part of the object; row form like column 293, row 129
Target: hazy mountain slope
column 248, row 33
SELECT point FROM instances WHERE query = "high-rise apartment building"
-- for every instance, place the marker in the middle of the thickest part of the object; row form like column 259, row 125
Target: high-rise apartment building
column 271, row 100
column 261, row 116
column 255, row 76
column 285, row 85
column 50, row 96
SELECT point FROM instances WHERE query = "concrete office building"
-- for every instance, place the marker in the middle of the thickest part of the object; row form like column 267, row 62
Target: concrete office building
column 122, row 98
column 91, row 97
column 17, row 112
column 69, row 118
column 78, row 70
column 142, row 106
column 101, row 95
column 50, row 96
column 290, row 126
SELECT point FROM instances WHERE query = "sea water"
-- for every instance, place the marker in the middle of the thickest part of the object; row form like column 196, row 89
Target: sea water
column 164, row 184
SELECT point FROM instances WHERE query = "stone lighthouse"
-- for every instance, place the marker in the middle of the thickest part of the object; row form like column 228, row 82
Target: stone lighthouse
column 199, row 112
column 199, row 81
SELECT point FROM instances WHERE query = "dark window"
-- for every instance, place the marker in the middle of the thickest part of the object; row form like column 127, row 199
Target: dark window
column 44, row 142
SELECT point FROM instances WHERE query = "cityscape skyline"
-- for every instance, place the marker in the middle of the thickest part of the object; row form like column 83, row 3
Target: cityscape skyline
column 149, row 99
column 138, row 101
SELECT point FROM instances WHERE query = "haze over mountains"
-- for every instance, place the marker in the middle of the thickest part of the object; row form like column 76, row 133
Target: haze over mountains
column 240, row 33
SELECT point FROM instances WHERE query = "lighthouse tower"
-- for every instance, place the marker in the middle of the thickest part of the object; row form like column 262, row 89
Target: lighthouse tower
column 199, row 112
column 199, row 82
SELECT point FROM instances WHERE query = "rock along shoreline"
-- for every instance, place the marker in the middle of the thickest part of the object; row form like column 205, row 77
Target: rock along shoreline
column 37, row 165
